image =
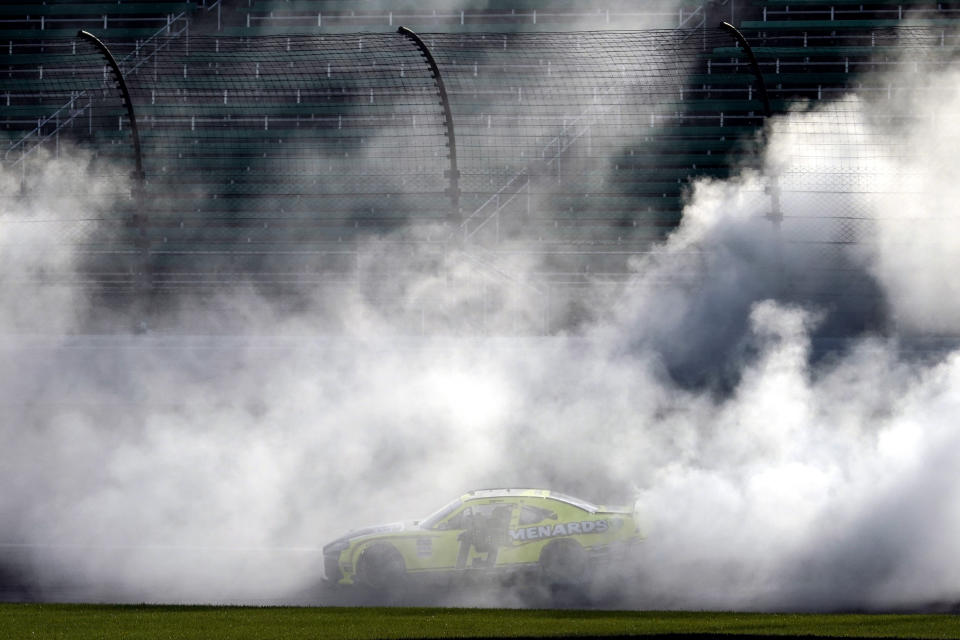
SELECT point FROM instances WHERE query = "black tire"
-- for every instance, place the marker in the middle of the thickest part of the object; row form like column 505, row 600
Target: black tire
column 381, row 568
column 563, row 563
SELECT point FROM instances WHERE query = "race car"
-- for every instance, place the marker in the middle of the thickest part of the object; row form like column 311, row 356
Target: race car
column 560, row 538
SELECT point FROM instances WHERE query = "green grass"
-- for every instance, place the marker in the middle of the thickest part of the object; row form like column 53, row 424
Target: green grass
column 105, row 622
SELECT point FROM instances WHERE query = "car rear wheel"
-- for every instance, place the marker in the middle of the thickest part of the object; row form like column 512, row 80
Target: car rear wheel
column 564, row 562
column 381, row 567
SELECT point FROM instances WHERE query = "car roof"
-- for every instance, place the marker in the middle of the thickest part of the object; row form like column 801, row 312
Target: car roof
column 530, row 493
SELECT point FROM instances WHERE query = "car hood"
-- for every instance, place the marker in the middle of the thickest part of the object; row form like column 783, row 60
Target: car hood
column 394, row 527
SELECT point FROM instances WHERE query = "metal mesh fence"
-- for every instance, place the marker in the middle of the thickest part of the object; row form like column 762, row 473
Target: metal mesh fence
column 275, row 157
column 292, row 143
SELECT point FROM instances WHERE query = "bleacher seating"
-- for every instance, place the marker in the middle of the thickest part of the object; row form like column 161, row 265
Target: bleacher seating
column 268, row 17
column 850, row 14
column 123, row 20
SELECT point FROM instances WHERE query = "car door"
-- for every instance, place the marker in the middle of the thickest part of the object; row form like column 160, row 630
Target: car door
column 485, row 532
column 472, row 536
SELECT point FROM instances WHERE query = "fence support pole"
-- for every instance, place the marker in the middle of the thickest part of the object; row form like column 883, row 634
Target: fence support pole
column 453, row 173
column 776, row 214
column 139, row 177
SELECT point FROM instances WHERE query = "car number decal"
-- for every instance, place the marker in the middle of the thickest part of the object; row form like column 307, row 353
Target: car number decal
column 424, row 547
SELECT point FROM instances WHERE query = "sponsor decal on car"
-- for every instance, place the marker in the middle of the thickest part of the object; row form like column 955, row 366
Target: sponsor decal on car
column 424, row 547
column 561, row 529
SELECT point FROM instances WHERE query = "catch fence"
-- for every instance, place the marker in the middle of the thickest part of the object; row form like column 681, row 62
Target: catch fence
column 280, row 160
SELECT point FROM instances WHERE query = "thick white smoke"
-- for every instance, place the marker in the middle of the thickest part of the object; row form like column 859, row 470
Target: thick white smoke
column 46, row 212
column 828, row 486
column 200, row 468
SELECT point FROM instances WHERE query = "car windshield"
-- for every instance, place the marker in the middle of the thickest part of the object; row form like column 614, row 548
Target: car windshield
column 431, row 521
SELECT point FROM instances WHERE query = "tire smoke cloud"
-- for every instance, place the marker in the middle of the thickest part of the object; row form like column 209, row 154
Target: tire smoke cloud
column 183, row 467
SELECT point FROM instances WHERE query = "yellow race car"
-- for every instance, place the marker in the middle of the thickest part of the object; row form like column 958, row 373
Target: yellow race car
column 561, row 538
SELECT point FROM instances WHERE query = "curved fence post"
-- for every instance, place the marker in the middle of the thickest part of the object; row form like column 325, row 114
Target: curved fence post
column 138, row 175
column 776, row 214
column 453, row 173
column 125, row 94
column 761, row 85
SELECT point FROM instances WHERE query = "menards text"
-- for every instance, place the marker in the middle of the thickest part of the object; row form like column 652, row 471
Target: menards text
column 562, row 529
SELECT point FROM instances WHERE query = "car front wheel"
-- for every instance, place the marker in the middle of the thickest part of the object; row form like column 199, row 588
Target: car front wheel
column 381, row 567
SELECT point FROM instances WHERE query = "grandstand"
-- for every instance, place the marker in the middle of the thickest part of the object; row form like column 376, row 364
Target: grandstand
column 284, row 141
